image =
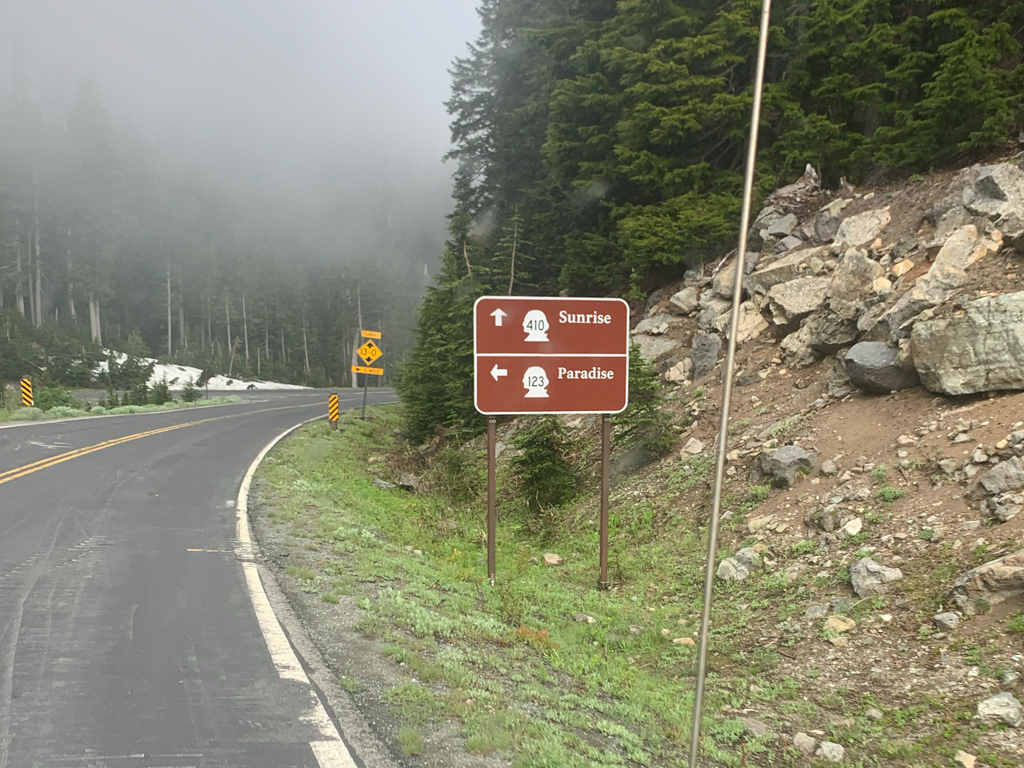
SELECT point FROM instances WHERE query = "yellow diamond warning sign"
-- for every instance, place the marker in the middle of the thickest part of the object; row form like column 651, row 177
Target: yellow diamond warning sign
column 369, row 352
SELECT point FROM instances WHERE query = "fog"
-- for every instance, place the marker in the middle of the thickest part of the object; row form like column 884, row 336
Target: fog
column 326, row 110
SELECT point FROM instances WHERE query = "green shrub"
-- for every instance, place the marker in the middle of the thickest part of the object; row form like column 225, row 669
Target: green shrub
column 137, row 395
column 27, row 414
column 65, row 412
column 52, row 397
column 643, row 428
column 160, row 394
column 189, row 393
column 545, row 465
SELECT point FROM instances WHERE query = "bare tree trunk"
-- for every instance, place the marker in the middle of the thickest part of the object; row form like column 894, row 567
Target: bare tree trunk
column 232, row 363
column 209, row 323
column 284, row 349
column 94, row 320
column 259, row 370
column 305, row 346
column 71, row 285
column 38, row 316
column 512, row 269
column 245, row 329
column 202, row 337
column 19, row 286
column 182, row 334
column 266, row 330
column 227, row 314
column 170, row 323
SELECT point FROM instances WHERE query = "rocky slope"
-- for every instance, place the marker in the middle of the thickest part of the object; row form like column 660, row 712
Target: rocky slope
column 876, row 455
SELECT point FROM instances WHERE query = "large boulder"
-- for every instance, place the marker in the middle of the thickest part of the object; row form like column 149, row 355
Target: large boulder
column 980, row 350
column 725, row 280
column 874, row 366
column 704, row 354
column 758, row 232
column 1001, row 708
column 855, row 276
column 871, row 578
column 795, row 300
column 656, row 325
column 750, row 323
column 992, row 582
column 825, row 224
column 946, row 274
column 685, row 301
column 780, row 467
column 796, row 348
column 998, row 194
column 834, row 327
column 739, row 566
column 653, row 347
column 711, row 308
column 791, row 266
column 861, row 229
column 1005, row 477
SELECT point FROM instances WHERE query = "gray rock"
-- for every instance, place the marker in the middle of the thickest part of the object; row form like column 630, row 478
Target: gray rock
column 835, row 326
column 825, row 224
column 816, row 612
column 1002, row 708
column 903, row 247
column 739, row 566
column 875, row 367
column 780, row 466
column 789, row 267
column 749, row 326
column 1004, row 477
column 759, row 229
column 830, row 751
column 842, row 606
column 685, row 301
column 854, row 277
column 795, row 300
column 871, row 578
column 383, row 484
column 656, row 325
column 826, row 518
column 874, row 715
column 796, row 348
column 946, row 621
column 704, row 354
column 653, row 347
column 861, row 229
column 409, row 482
column 946, row 274
column 1004, row 508
column 724, row 281
column 755, row 727
column 788, row 243
column 994, row 582
column 782, row 226
column 998, row 194
column 805, row 743
column 712, row 307
column 981, row 350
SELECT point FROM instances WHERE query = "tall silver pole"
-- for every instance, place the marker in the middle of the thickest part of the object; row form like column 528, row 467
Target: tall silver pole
column 730, row 362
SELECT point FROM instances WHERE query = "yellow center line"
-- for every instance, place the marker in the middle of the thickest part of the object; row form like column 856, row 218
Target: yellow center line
column 28, row 469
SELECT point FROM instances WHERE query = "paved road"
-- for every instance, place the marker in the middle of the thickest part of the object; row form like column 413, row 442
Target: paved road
column 128, row 638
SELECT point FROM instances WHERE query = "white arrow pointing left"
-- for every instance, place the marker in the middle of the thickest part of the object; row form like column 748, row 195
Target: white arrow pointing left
column 498, row 314
column 497, row 372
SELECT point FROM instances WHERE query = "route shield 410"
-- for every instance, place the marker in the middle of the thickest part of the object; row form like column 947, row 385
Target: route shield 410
column 535, row 354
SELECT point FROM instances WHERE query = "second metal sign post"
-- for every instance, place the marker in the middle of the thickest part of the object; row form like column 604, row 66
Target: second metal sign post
column 541, row 355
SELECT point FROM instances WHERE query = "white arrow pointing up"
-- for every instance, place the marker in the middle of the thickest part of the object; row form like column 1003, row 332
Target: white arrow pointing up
column 497, row 372
column 497, row 315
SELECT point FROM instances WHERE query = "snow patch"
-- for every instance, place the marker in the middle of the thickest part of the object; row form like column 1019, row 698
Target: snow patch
column 178, row 375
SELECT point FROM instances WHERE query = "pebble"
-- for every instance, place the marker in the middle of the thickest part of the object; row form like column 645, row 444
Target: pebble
column 874, row 715
column 830, row 751
column 805, row 743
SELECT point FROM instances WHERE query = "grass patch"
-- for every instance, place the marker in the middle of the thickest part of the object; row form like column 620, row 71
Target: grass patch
column 411, row 742
column 888, row 494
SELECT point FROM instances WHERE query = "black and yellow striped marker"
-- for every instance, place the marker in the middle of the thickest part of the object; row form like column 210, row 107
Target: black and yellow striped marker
column 26, row 393
column 333, row 409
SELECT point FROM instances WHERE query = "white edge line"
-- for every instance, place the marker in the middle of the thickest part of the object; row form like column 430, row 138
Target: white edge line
column 46, row 422
column 330, row 751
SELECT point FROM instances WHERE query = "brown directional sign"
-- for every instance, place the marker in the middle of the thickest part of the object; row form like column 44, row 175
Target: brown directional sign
column 550, row 355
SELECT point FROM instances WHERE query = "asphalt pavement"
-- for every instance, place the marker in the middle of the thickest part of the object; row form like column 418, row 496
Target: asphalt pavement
column 128, row 638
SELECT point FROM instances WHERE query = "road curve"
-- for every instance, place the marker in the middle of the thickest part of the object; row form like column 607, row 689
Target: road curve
column 127, row 635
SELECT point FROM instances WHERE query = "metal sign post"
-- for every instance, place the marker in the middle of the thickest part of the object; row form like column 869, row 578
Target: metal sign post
column 369, row 353
column 27, row 398
column 333, row 410
column 492, row 503
column 542, row 355
column 730, row 362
